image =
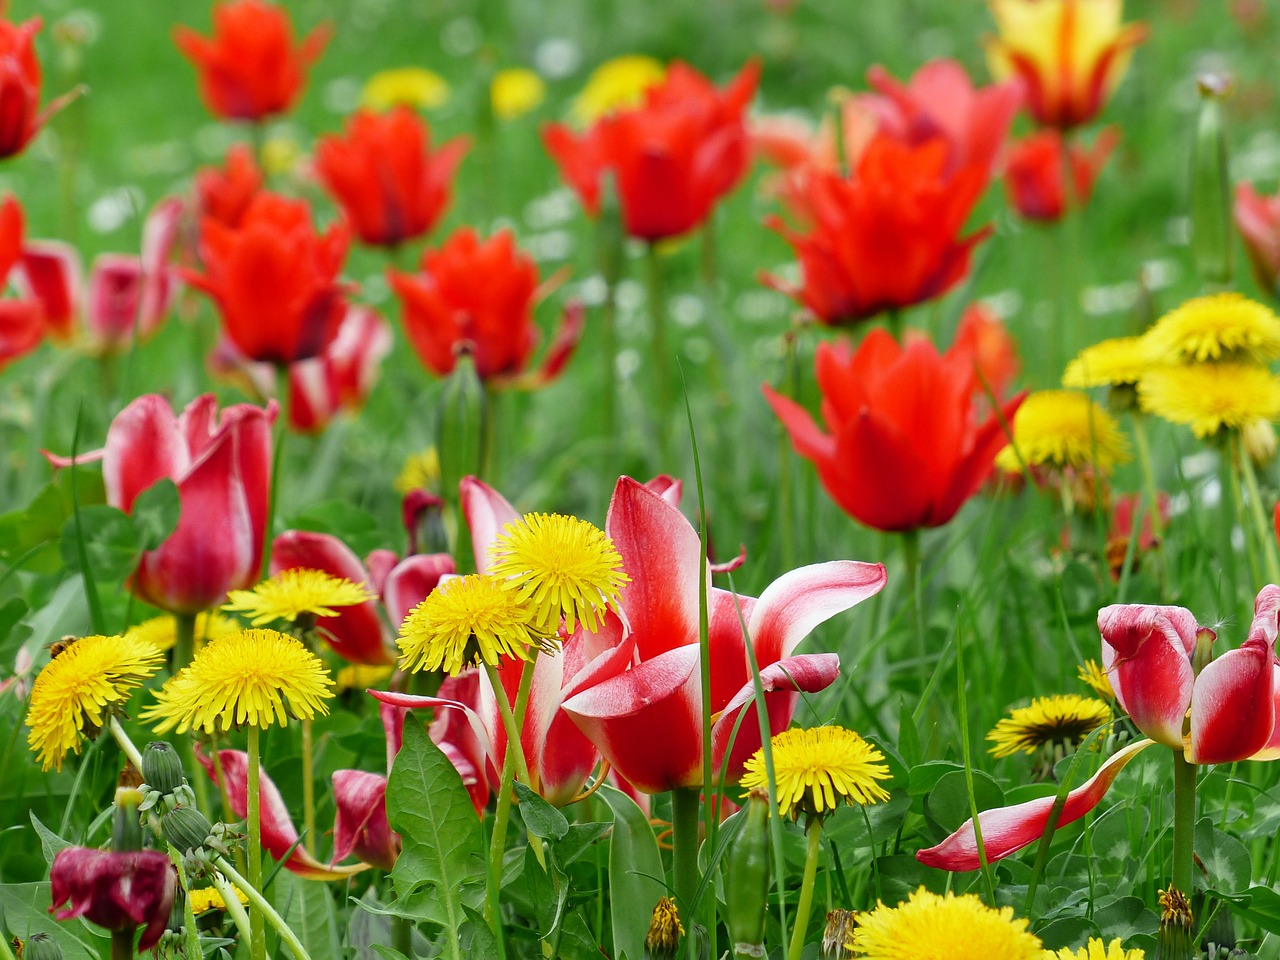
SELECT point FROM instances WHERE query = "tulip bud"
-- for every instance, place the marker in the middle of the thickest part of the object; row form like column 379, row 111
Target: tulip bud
column 746, row 880
column 186, row 828
column 162, row 767
column 41, row 946
column 1211, row 235
column 463, row 422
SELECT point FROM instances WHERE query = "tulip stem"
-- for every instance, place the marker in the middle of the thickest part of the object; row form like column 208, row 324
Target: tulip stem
column 308, row 788
column 122, row 943
column 262, row 907
column 1153, row 491
column 257, row 933
column 1266, row 536
column 184, row 651
column 684, row 846
column 911, row 558
column 805, row 904
column 1184, row 819
column 660, row 352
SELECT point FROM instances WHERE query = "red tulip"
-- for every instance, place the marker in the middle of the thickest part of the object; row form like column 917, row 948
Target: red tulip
column 941, row 100
column 342, row 377
column 1258, row 220
column 1034, row 178
column 888, row 237
column 20, row 114
column 115, row 890
column 905, row 448
column 995, row 353
column 481, row 293
column 250, row 68
column 383, row 173
column 224, row 194
column 21, row 319
column 274, row 279
column 640, row 702
column 672, row 157
column 360, row 824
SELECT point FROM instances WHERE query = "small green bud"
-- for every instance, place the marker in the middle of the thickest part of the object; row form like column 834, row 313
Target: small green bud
column 162, row 767
column 41, row 946
column 463, row 418
column 746, row 879
column 1212, row 236
column 186, row 828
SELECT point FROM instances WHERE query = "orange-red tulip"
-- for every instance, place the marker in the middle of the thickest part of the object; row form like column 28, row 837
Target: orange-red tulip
column 385, row 175
column 672, row 157
column 21, row 321
column 224, row 193
column 1034, row 178
column 905, row 449
column 20, row 116
column 250, row 68
column 1258, row 220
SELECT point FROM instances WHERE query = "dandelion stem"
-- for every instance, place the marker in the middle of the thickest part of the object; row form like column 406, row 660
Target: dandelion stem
column 126, row 745
column 262, row 907
column 1266, row 537
column 911, row 559
column 184, row 651
column 308, row 788
column 234, row 907
column 660, row 351
column 805, row 904
column 257, row 939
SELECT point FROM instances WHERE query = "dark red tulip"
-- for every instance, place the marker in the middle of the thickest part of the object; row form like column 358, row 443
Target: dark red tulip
column 115, row 890
column 1034, row 176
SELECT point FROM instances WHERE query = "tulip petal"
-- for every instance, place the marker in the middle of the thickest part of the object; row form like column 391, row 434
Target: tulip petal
column 797, row 602
column 410, row 581
column 144, row 444
column 1007, row 830
column 1233, row 710
column 360, row 824
column 486, row 512
column 1146, row 653
column 278, row 831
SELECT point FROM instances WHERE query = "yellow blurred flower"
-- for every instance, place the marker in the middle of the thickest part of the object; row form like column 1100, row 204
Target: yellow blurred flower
column 1222, row 326
column 280, row 155
column 1211, row 397
column 421, row 471
column 1122, row 360
column 1092, row 675
column 161, row 632
column 361, row 676
column 516, row 91
column 414, row 87
column 1063, row 719
column 616, row 85
column 1062, row 428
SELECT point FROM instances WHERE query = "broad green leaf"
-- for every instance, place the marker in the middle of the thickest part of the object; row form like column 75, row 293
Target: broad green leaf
column 110, row 542
column 558, row 925
column 925, row 776
column 441, row 867
column 308, row 909
column 947, row 805
column 24, row 908
column 1070, row 932
column 635, row 874
column 1125, row 917
column 50, row 842
column 540, row 818
column 155, row 513
column 1224, row 857
column 1258, row 905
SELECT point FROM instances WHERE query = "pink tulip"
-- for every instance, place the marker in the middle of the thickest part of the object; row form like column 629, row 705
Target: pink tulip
column 646, row 715
column 115, row 890
column 343, row 375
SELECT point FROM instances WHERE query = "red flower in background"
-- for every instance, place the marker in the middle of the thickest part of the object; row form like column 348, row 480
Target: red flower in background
column 274, row 279
column 1034, row 178
column 995, row 352
column 21, row 320
column 224, row 194
column 672, row 158
column 20, row 115
column 480, row 294
column 905, row 449
column 1258, row 220
column 384, row 174
column 250, row 68
column 887, row 237
column 115, row 890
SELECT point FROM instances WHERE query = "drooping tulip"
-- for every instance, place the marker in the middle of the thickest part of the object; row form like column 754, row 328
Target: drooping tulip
column 250, row 69
column 117, row 890
column 1034, row 177
column 1069, row 54
column 905, row 449
column 672, row 158
column 274, row 279
column 391, row 184
column 481, row 293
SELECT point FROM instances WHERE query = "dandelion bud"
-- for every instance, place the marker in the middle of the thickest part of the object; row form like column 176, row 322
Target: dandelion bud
column 838, row 934
column 186, row 828
column 1211, row 209
column 1173, row 942
column 162, row 767
column 41, row 946
column 665, row 930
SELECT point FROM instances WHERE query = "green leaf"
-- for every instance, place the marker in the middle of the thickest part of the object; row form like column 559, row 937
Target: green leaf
column 110, row 542
column 1258, row 905
column 1125, row 917
column 50, row 842
column 1070, row 932
column 308, row 910
column 155, row 513
column 908, row 735
column 25, row 910
column 577, row 840
column 925, row 776
column 441, row 867
column 1224, row 857
column 562, row 928
column 947, row 805
column 540, row 818
column 635, row 874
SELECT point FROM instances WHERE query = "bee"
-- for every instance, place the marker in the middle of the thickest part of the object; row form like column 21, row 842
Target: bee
column 59, row 646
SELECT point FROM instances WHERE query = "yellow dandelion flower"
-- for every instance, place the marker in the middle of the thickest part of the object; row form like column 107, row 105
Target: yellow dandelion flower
column 209, row 898
column 281, row 155
column 421, row 471
column 561, row 567
column 1062, row 428
column 1093, row 676
column 1211, row 397
column 814, row 768
column 414, row 87
column 516, row 91
column 929, row 926
column 466, row 619
column 255, row 677
column 1066, row 718
column 78, row 687
column 294, row 593
column 1222, row 326
column 161, row 632
column 1096, row 950
column 360, row 676
column 665, row 929
column 616, row 85
column 1118, row 361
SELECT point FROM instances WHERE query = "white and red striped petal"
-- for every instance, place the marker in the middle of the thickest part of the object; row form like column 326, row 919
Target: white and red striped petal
column 1146, row 651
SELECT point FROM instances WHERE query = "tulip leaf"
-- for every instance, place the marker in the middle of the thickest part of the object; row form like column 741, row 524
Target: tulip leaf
column 308, row 909
column 110, row 543
column 635, row 874
column 441, row 868
column 540, row 818
column 155, row 513
column 24, row 910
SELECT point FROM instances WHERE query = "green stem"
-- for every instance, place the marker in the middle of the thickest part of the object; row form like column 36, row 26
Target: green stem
column 308, row 788
column 609, row 347
column 234, row 908
column 805, row 904
column 1153, row 491
column 126, row 744
column 263, row 908
column 1263, row 530
column 277, row 460
column 1234, row 470
column 660, row 351
column 911, row 559
column 684, row 845
column 786, row 496
column 122, row 943
column 184, row 651
column 1184, row 820
column 257, row 937
column 497, row 847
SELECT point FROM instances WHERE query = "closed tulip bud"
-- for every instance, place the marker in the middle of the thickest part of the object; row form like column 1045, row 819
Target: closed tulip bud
column 746, row 879
column 162, row 767
column 186, row 828
column 41, row 946
column 1211, row 208
column 463, row 420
